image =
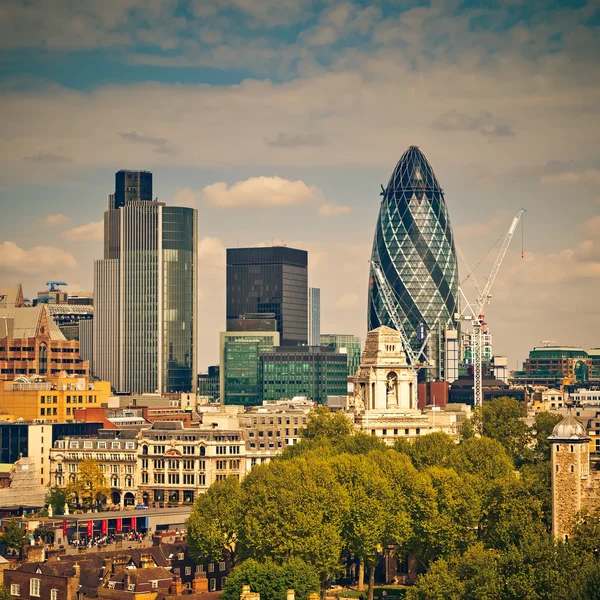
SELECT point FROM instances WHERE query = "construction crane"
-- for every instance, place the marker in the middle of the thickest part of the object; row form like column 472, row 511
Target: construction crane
column 478, row 318
column 54, row 285
column 392, row 307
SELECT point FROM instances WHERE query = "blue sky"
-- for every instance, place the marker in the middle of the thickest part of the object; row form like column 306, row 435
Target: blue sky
column 279, row 121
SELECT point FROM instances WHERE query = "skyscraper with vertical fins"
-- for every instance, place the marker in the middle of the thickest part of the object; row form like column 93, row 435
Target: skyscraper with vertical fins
column 414, row 246
column 145, row 288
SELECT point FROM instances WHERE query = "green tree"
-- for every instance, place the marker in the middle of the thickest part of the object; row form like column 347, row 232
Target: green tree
column 271, row 580
column 503, row 420
column 322, row 423
column 432, row 450
column 57, row 498
column 14, row 535
column 373, row 514
column 89, row 488
column 475, row 575
column 359, row 443
column 294, row 509
column 482, row 457
column 5, row 594
column 213, row 525
column 540, row 432
column 450, row 525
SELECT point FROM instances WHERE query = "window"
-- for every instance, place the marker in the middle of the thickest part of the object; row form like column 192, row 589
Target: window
column 212, row 585
column 199, row 568
column 54, row 594
column 211, row 567
column 101, row 444
column 181, row 556
column 221, row 566
column 34, row 587
column 154, row 583
column 15, row 589
column 188, row 570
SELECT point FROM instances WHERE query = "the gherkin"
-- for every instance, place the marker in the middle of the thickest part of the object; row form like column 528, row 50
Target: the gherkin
column 414, row 245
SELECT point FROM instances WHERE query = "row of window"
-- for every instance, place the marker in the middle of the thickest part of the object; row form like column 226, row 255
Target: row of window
column 34, row 589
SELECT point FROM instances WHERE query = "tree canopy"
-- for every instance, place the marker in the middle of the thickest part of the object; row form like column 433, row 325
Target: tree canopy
column 89, row 487
column 14, row 535
column 474, row 515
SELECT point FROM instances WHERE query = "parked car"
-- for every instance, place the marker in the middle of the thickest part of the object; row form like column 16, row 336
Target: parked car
column 141, row 507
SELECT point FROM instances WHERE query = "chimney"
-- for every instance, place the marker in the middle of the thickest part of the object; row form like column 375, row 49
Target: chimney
column 176, row 586
column 146, row 561
column 248, row 595
column 290, row 595
column 200, row 583
column 34, row 553
column 73, row 582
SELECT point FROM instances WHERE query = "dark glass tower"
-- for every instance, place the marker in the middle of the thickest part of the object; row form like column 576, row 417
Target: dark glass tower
column 270, row 280
column 132, row 185
column 414, row 246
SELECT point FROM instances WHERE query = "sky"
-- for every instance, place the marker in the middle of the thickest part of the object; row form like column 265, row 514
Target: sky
column 279, row 121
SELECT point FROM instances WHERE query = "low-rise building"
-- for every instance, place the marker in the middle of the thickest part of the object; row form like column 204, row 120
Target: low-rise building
column 53, row 399
column 176, row 463
column 116, row 453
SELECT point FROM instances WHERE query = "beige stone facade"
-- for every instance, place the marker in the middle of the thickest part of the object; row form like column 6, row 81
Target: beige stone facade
column 575, row 486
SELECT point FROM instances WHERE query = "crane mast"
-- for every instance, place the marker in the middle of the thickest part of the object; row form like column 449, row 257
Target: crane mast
column 392, row 307
column 478, row 318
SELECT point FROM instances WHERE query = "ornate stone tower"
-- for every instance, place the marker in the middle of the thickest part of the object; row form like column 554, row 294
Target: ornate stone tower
column 570, row 472
column 385, row 381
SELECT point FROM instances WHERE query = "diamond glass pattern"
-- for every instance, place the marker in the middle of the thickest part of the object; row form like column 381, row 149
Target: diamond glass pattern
column 414, row 246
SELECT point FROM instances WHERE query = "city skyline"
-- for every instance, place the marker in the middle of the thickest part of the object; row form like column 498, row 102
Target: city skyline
column 279, row 123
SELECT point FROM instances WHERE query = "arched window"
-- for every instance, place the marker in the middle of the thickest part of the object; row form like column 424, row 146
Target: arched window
column 144, row 450
column 202, row 450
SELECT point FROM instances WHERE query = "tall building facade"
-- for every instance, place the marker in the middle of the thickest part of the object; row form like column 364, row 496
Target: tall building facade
column 314, row 316
column 145, row 290
column 270, row 280
column 414, row 246
column 348, row 344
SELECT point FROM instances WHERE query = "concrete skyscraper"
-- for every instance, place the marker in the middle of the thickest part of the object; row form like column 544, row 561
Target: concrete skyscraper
column 273, row 280
column 145, row 324
column 414, row 246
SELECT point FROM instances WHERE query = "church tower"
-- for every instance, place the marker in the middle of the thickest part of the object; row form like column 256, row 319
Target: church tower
column 570, row 471
column 385, row 381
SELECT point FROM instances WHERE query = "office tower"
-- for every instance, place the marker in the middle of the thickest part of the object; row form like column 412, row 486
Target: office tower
column 314, row 316
column 346, row 344
column 414, row 246
column 240, row 353
column 311, row 371
column 145, row 292
column 270, row 280
column 132, row 186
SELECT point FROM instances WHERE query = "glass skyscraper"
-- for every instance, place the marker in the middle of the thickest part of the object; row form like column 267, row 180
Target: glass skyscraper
column 146, row 309
column 414, row 246
column 270, row 280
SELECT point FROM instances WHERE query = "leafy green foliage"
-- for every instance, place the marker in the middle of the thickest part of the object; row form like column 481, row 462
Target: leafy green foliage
column 294, row 509
column 213, row 524
column 322, row 423
column 5, row 594
column 271, row 580
column 13, row 535
column 474, row 515
column 57, row 498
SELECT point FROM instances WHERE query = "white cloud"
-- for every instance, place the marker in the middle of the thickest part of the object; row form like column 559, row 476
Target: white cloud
column 54, row 220
column 591, row 227
column 211, row 251
column 333, row 210
column 587, row 176
column 39, row 260
column 255, row 192
column 85, row 233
